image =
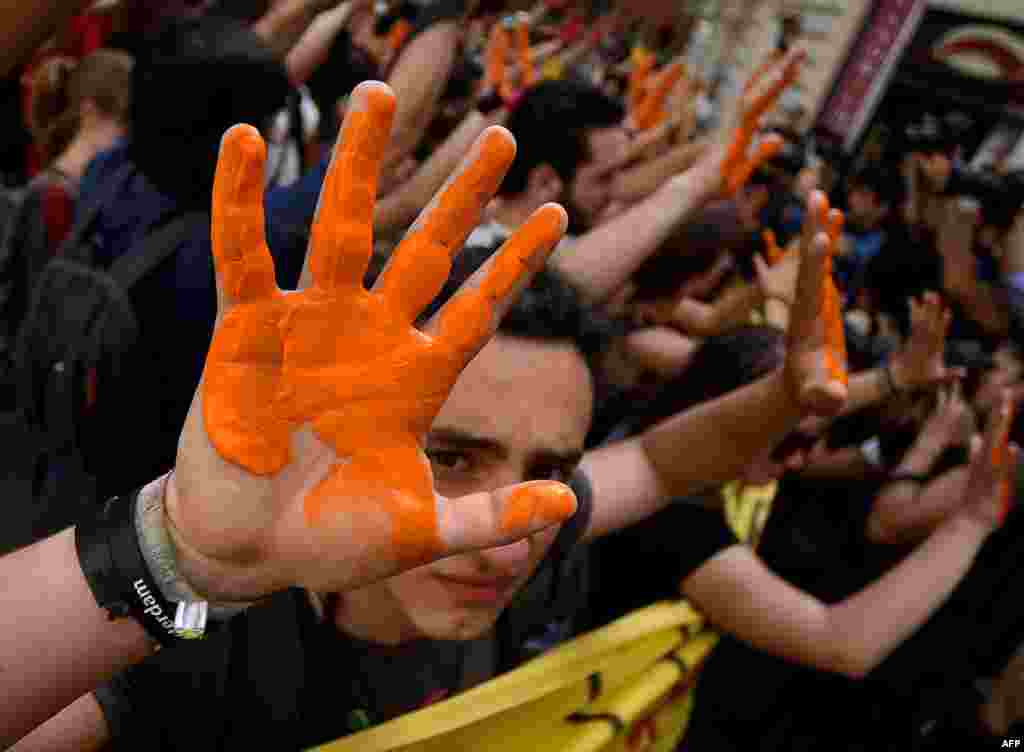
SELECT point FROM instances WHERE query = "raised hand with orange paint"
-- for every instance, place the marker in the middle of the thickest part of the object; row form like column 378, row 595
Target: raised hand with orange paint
column 301, row 461
column 777, row 276
column 499, row 79
column 761, row 95
column 648, row 108
column 990, row 484
column 816, row 346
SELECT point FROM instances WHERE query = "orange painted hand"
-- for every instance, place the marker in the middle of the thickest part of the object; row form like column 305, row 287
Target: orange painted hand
column 642, row 63
column 772, row 251
column 301, row 460
column 989, row 494
column 761, row 96
column 816, row 347
column 777, row 277
column 499, row 78
column 650, row 110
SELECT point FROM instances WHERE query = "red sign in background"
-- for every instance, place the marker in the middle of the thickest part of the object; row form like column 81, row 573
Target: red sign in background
column 867, row 70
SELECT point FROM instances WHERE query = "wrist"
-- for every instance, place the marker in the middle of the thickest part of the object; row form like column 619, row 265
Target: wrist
column 166, row 558
column 974, row 525
column 895, row 377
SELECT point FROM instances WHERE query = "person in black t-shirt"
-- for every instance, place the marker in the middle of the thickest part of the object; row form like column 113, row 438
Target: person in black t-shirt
column 519, row 411
column 803, row 620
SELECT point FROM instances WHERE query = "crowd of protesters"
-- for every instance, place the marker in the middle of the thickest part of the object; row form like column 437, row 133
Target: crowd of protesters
column 635, row 309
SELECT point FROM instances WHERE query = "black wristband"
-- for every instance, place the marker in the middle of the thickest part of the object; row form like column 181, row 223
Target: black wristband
column 112, row 562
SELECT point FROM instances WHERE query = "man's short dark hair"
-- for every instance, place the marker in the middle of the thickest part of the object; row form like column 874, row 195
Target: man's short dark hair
column 550, row 124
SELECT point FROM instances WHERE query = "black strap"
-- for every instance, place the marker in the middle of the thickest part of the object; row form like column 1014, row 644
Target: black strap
column 132, row 267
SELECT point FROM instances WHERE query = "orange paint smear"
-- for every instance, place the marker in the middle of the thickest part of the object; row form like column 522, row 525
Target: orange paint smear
column 497, row 50
column 835, row 339
column 342, row 235
column 399, row 32
column 650, row 110
column 1000, row 450
column 773, row 254
column 471, row 315
column 426, row 254
column 766, row 149
column 340, row 358
column 545, row 502
column 527, row 73
column 643, row 64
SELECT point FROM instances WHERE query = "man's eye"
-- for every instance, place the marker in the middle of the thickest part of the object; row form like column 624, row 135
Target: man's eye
column 551, row 472
column 450, row 461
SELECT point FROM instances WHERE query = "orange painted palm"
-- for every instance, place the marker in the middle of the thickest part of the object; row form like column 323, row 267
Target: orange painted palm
column 301, row 460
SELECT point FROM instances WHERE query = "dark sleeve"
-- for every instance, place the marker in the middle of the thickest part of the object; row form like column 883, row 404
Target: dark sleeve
column 647, row 562
column 688, row 534
column 158, row 704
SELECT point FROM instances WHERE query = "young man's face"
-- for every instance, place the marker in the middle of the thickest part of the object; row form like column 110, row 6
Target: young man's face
column 519, row 412
column 865, row 210
column 589, row 193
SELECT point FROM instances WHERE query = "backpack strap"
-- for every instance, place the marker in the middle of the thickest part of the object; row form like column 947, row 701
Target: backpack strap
column 74, row 246
column 130, row 268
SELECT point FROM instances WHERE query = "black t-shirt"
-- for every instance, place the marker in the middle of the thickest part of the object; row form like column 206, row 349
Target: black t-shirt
column 280, row 679
column 646, row 562
column 815, row 540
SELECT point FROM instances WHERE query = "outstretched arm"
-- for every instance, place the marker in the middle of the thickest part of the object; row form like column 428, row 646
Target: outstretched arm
column 741, row 596
column 419, row 79
column 601, row 261
column 712, row 442
column 297, row 465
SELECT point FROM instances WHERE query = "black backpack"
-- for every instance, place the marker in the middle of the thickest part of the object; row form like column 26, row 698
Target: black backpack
column 79, row 329
column 24, row 247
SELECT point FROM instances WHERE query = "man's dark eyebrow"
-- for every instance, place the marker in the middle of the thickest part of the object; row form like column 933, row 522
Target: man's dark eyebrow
column 466, row 440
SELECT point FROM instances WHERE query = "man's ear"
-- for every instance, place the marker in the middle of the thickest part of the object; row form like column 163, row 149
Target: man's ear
column 544, row 184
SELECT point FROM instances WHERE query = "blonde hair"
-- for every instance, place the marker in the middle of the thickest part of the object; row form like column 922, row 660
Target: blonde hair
column 61, row 84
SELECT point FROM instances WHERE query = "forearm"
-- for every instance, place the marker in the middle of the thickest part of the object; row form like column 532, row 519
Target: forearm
column 641, row 181
column 903, row 511
column 732, row 309
column 601, row 261
column 399, row 208
column 80, row 727
column 848, row 462
column 867, row 388
column 25, row 26
column 713, row 442
column 418, row 80
column 58, row 643
column 285, row 23
column 313, row 48
column 871, row 624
